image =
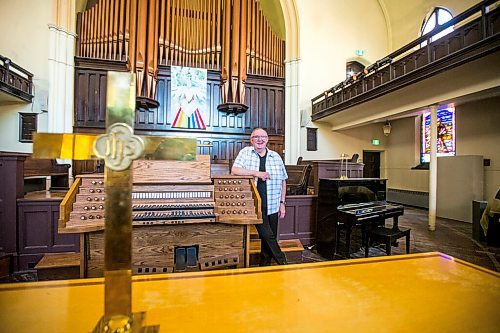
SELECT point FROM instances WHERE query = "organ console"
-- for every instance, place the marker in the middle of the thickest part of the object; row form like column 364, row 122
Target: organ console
column 181, row 223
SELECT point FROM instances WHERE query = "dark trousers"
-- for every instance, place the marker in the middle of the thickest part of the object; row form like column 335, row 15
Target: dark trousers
column 269, row 248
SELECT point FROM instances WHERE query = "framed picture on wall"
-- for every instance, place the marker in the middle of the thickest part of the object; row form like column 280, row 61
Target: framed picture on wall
column 27, row 125
column 312, row 139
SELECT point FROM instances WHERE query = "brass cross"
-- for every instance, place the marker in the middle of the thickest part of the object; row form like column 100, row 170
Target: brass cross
column 118, row 147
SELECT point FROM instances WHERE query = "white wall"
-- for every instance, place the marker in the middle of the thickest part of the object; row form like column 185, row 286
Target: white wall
column 402, row 154
column 25, row 39
column 406, row 17
column 330, row 33
column 352, row 141
column 477, row 133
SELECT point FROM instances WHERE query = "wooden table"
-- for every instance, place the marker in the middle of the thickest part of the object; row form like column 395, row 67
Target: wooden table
column 429, row 292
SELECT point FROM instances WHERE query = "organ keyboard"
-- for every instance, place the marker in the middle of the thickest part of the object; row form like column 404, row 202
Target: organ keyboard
column 174, row 217
column 151, row 204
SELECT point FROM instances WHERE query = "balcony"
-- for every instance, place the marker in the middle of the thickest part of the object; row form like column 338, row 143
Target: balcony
column 16, row 83
column 475, row 39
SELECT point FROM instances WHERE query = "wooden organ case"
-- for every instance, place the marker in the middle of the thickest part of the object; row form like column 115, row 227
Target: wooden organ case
column 181, row 221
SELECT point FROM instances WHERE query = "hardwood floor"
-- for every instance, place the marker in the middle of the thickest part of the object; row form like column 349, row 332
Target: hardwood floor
column 451, row 237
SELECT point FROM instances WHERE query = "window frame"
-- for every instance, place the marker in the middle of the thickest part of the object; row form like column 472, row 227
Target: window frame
column 434, row 14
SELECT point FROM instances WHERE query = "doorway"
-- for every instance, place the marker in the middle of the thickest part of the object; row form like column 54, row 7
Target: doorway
column 371, row 159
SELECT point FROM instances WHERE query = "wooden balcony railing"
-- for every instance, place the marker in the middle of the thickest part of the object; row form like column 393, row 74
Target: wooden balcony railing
column 15, row 80
column 475, row 34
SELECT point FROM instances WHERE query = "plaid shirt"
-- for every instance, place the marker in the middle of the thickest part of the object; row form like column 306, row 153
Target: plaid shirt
column 249, row 159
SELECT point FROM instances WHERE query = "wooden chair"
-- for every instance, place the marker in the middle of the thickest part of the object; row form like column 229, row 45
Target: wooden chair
column 298, row 179
column 39, row 168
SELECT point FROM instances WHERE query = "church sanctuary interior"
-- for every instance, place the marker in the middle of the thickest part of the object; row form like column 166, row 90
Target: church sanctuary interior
column 120, row 121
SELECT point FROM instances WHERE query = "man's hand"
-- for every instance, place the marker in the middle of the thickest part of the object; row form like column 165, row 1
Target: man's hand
column 263, row 175
column 282, row 210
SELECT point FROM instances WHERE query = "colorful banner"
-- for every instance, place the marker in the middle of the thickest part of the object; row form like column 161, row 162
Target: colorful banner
column 189, row 97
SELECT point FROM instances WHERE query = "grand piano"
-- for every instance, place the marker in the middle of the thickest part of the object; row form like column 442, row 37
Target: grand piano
column 346, row 203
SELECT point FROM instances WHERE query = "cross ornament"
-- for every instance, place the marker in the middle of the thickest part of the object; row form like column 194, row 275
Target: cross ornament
column 119, row 147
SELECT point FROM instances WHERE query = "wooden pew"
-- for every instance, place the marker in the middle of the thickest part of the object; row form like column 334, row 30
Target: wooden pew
column 298, row 179
column 40, row 168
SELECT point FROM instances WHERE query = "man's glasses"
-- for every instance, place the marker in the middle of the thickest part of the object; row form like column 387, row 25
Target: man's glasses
column 259, row 137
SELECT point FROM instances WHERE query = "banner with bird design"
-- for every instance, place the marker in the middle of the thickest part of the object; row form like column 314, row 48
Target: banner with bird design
column 189, row 97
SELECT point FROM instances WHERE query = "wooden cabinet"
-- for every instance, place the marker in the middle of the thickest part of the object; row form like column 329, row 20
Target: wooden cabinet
column 28, row 223
column 332, row 169
column 300, row 219
column 37, row 226
column 11, row 188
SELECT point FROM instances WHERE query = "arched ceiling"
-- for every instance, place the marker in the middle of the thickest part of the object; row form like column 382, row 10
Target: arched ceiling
column 80, row 5
column 404, row 18
column 272, row 11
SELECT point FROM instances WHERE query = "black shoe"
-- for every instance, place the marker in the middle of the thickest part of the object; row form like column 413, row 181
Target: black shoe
column 264, row 263
column 282, row 261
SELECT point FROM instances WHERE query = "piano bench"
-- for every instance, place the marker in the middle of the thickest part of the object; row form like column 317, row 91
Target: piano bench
column 386, row 236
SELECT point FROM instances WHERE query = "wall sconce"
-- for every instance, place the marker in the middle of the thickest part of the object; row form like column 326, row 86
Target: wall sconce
column 387, row 128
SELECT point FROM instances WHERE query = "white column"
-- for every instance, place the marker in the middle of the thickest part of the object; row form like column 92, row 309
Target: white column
column 292, row 114
column 61, row 82
column 433, row 170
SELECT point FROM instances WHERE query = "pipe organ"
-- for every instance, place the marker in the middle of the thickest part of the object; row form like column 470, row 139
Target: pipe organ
column 229, row 36
column 182, row 223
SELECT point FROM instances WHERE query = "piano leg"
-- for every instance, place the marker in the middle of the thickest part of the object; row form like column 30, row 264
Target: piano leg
column 366, row 243
column 348, row 232
column 408, row 243
column 337, row 238
column 395, row 226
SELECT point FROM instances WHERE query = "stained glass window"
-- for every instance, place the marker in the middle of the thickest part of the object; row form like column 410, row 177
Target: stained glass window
column 445, row 134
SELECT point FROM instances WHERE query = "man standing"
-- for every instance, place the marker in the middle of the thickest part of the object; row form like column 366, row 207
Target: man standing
column 270, row 175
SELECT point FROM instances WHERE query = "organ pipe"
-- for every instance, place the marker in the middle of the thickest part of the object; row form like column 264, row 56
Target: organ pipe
column 229, row 36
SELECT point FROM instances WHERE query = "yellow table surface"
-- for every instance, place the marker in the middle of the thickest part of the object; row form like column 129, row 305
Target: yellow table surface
column 428, row 292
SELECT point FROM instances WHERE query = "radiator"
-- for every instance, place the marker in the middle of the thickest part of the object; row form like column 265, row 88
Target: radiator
column 408, row 197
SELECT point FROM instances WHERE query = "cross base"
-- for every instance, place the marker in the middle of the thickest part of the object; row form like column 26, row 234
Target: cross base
column 124, row 324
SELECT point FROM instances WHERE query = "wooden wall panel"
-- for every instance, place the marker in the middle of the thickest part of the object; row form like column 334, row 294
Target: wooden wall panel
column 300, row 219
column 265, row 99
column 227, row 133
column 90, row 98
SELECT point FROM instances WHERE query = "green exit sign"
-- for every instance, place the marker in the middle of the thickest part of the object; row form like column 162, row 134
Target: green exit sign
column 360, row 52
column 375, row 142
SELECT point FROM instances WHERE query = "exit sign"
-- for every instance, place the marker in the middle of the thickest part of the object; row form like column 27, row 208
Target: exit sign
column 375, row 142
column 360, row 52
